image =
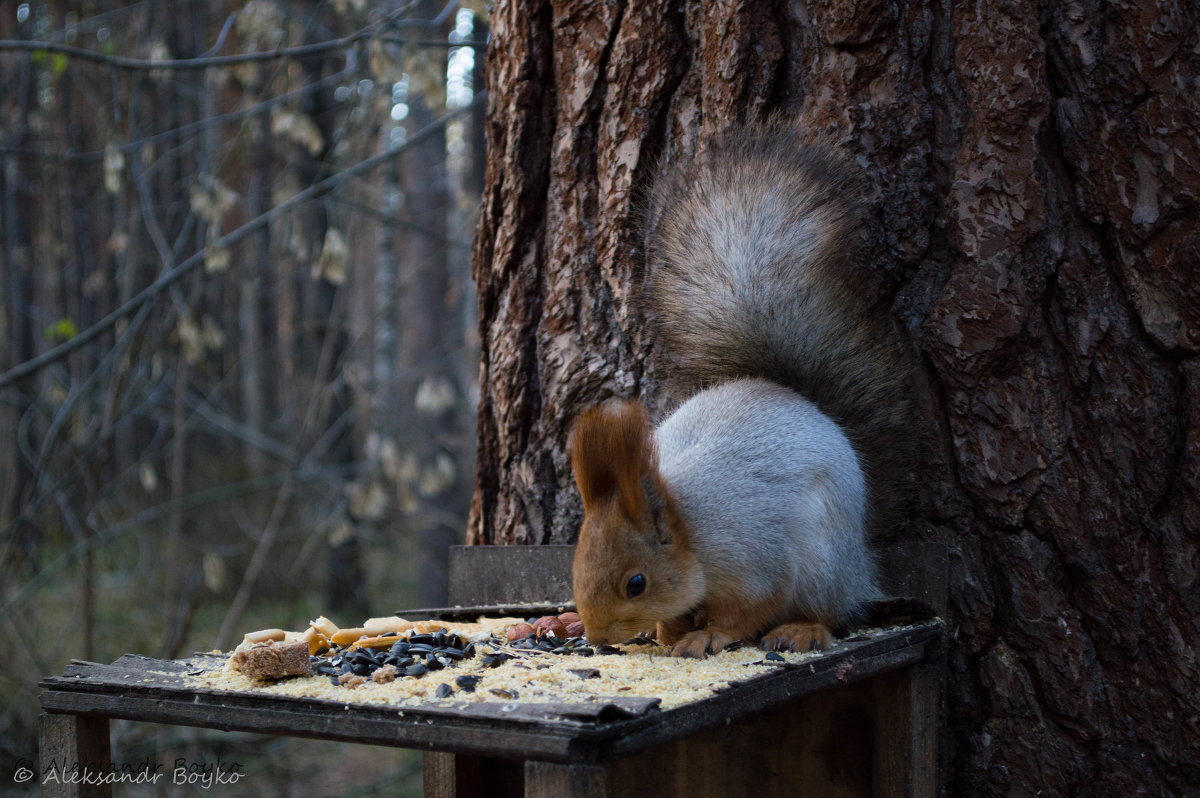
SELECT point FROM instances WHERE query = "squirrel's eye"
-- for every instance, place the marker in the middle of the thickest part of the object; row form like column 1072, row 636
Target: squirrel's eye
column 635, row 585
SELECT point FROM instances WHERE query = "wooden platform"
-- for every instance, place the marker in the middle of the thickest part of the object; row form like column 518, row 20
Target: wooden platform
column 861, row 719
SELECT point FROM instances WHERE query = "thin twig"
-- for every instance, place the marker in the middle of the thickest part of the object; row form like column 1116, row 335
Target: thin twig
column 172, row 276
column 213, row 61
column 202, row 62
column 207, row 61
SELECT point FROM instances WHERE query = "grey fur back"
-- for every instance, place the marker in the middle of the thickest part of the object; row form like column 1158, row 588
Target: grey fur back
column 749, row 265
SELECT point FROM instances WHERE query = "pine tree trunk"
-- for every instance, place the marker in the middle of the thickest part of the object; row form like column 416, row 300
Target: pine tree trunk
column 1035, row 232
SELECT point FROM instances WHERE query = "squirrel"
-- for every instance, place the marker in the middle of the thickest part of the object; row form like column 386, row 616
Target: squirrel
column 744, row 515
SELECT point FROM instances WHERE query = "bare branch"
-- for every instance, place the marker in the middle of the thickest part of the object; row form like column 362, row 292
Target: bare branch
column 210, row 61
column 202, row 62
column 172, row 276
column 206, row 61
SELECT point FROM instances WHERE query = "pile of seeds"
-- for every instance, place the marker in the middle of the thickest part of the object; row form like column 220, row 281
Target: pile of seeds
column 414, row 655
column 391, row 655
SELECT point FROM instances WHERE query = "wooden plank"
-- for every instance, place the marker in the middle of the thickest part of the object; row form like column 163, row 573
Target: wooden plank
column 553, row 780
column 465, row 776
column 480, row 575
column 491, row 610
column 74, row 756
column 907, row 706
column 441, row 776
column 543, row 741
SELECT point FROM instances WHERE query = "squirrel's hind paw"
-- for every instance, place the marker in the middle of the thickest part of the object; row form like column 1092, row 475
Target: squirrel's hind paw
column 797, row 637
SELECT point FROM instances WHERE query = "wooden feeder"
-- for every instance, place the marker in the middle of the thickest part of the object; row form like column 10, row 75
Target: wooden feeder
column 862, row 719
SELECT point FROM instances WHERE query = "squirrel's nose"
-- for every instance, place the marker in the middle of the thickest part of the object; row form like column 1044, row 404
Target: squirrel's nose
column 596, row 636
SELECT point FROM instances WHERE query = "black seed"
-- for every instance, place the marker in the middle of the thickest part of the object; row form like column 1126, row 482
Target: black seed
column 554, row 640
column 453, row 641
column 509, row 694
column 336, row 661
column 334, row 681
column 444, row 690
column 420, row 648
column 423, row 638
column 489, row 661
column 467, row 682
column 774, row 656
column 584, row 651
column 416, row 670
column 609, row 650
column 361, row 669
column 399, row 648
column 469, row 651
column 586, row 673
column 434, row 664
column 450, row 653
column 560, row 650
column 346, row 666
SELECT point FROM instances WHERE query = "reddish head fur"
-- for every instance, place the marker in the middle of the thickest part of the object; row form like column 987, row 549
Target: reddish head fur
column 631, row 527
column 611, row 453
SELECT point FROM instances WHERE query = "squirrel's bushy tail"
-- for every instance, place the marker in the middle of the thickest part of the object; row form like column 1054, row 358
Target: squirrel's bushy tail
column 749, row 276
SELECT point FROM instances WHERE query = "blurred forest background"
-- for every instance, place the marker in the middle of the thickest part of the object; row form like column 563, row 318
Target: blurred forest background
column 239, row 360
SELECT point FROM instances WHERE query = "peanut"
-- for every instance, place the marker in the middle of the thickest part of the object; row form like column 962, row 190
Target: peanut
column 265, row 635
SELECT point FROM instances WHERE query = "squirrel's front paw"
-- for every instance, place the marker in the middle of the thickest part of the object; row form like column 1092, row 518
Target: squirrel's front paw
column 797, row 637
column 701, row 642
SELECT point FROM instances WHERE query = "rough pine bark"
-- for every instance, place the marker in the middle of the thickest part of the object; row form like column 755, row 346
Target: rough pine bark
column 1035, row 234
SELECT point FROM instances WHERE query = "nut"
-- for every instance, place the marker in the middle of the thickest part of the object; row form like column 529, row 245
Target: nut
column 550, row 625
column 519, row 631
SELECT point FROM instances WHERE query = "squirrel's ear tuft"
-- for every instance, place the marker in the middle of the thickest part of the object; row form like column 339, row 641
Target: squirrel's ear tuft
column 611, row 453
